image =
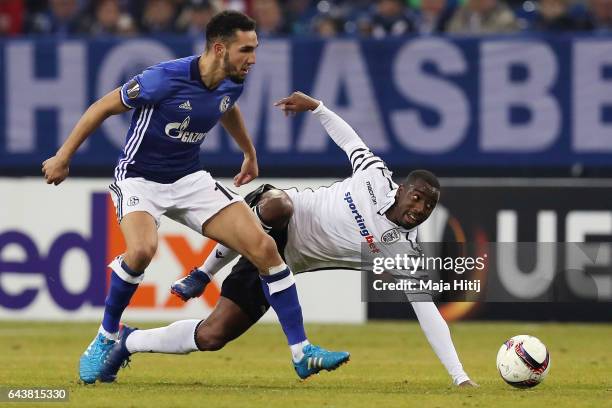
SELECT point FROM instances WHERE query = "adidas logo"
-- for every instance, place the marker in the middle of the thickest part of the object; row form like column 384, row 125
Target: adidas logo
column 185, row 105
column 315, row 362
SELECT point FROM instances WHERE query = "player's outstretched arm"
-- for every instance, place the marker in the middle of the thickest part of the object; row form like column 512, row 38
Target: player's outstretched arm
column 233, row 123
column 55, row 169
column 438, row 335
column 341, row 132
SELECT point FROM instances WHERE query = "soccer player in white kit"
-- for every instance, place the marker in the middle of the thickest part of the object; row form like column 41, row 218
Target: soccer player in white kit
column 325, row 228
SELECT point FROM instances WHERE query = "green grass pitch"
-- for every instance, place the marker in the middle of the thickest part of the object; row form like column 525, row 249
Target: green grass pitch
column 391, row 366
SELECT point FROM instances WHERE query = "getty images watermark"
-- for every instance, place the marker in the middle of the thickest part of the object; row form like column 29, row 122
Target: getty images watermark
column 407, row 268
column 403, row 271
column 487, row 272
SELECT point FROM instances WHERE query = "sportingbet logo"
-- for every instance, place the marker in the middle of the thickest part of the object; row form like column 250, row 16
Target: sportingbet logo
column 361, row 223
column 103, row 242
column 179, row 131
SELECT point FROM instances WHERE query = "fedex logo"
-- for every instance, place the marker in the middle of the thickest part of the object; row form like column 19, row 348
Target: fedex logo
column 103, row 242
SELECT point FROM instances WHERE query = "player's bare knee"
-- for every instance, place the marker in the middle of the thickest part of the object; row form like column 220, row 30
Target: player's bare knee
column 276, row 208
column 209, row 339
column 263, row 252
column 140, row 256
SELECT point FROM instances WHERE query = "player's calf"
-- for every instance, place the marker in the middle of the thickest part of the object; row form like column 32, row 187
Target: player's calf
column 209, row 338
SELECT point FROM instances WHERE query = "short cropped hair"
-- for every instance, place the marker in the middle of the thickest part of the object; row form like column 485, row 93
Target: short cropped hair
column 223, row 26
column 425, row 175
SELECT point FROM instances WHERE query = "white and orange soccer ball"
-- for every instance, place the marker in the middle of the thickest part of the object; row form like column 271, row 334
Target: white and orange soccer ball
column 523, row 361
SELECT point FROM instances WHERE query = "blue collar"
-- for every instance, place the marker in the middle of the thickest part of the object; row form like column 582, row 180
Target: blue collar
column 194, row 72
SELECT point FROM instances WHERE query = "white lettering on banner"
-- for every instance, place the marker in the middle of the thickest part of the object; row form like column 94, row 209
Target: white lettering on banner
column 590, row 93
column 507, row 225
column 498, row 94
column 267, row 83
column 25, row 93
column 342, row 65
column 433, row 92
column 578, row 225
column 127, row 59
column 526, row 285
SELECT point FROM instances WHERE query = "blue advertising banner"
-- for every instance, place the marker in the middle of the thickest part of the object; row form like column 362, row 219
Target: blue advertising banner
column 429, row 101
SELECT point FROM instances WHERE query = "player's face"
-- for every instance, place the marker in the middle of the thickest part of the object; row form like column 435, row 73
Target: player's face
column 240, row 55
column 415, row 203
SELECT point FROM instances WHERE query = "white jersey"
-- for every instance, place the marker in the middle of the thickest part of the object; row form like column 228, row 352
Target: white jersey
column 330, row 224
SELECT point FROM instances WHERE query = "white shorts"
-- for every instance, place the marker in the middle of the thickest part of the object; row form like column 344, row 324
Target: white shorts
column 191, row 200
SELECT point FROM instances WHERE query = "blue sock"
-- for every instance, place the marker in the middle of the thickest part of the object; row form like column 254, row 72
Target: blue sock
column 286, row 304
column 117, row 300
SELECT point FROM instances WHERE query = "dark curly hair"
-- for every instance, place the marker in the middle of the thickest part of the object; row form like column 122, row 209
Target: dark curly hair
column 223, row 26
column 425, row 175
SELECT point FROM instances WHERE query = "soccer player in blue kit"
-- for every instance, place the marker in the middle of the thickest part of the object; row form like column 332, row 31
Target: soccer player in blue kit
column 159, row 173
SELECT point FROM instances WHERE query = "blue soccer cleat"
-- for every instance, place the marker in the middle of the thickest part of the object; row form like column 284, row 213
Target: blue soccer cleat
column 92, row 359
column 190, row 286
column 316, row 359
column 118, row 357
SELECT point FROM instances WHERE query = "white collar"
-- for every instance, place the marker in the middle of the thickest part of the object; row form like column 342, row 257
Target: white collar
column 388, row 201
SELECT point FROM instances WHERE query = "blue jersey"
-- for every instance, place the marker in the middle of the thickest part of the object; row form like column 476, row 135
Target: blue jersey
column 174, row 111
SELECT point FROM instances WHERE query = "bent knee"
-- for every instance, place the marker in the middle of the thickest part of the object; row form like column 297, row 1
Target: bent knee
column 262, row 252
column 275, row 209
column 141, row 255
column 265, row 247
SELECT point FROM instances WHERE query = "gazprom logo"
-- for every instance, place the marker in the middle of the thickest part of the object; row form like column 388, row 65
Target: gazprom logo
column 179, row 131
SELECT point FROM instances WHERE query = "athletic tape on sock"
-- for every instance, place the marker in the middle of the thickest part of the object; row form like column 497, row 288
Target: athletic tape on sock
column 118, row 269
column 277, row 269
column 281, row 284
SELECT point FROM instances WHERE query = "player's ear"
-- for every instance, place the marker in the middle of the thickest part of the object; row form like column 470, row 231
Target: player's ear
column 398, row 193
column 219, row 49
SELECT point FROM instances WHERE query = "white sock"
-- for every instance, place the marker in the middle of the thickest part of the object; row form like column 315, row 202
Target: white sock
column 297, row 350
column 437, row 333
column 110, row 336
column 218, row 258
column 177, row 338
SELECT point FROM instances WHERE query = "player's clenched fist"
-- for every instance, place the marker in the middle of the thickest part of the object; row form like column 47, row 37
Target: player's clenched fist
column 297, row 102
column 55, row 169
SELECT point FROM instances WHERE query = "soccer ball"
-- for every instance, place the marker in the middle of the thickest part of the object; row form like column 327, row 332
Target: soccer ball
column 523, row 361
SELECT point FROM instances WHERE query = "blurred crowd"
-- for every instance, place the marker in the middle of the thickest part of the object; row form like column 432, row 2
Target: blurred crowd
column 319, row 18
